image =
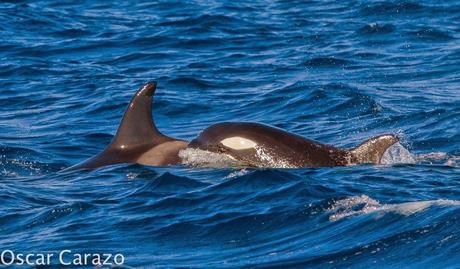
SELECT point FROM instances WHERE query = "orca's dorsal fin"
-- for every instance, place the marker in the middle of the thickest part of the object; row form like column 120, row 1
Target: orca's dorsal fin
column 373, row 149
column 136, row 135
column 137, row 127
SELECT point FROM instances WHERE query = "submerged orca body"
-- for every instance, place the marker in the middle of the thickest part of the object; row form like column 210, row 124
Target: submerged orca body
column 252, row 144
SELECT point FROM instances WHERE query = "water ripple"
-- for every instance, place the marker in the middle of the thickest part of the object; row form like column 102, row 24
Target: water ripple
column 337, row 72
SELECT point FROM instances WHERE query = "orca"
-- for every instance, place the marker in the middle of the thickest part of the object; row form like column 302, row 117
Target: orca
column 138, row 140
column 259, row 145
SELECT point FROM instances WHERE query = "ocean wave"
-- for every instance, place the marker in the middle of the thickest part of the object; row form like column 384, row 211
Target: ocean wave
column 392, row 7
column 337, row 72
column 327, row 62
column 431, row 34
column 376, row 28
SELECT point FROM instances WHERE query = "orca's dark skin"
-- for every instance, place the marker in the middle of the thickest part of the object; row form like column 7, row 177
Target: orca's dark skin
column 279, row 148
column 252, row 144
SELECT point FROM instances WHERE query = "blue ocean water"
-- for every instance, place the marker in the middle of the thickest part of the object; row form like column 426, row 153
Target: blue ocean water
column 334, row 72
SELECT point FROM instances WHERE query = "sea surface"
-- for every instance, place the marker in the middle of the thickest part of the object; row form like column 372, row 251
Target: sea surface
column 338, row 73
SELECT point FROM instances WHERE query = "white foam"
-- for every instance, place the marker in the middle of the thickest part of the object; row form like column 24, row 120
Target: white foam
column 132, row 175
column 360, row 205
column 453, row 161
column 238, row 173
column 439, row 158
column 270, row 160
column 203, row 158
column 432, row 156
column 395, row 154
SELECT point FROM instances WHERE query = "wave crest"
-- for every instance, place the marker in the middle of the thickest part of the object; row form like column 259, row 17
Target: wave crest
column 363, row 204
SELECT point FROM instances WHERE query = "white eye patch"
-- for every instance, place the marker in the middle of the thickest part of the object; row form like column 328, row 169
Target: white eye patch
column 238, row 143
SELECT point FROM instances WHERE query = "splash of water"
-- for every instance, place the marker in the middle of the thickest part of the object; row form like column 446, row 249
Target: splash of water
column 395, row 154
column 203, row 158
column 272, row 162
column 363, row 204
column 438, row 158
column 238, row 173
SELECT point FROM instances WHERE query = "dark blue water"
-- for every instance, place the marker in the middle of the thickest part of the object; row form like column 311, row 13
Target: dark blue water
column 335, row 72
